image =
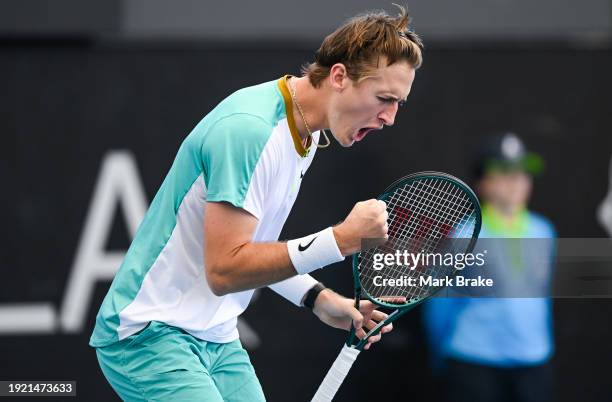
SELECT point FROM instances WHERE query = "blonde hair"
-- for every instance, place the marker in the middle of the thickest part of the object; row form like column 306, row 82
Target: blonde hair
column 360, row 43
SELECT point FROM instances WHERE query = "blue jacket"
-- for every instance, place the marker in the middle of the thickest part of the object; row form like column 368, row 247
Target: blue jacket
column 502, row 332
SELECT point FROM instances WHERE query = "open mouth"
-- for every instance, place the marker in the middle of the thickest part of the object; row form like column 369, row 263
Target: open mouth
column 362, row 133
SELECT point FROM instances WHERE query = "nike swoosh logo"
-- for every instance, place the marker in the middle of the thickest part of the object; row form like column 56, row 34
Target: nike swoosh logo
column 303, row 248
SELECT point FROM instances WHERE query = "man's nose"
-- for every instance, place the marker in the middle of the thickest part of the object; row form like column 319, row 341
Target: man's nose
column 387, row 115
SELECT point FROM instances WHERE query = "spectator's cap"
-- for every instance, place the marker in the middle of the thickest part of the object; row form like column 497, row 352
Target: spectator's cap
column 504, row 153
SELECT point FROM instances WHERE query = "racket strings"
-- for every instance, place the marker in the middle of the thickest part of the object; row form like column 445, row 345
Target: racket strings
column 442, row 213
column 421, row 215
column 441, row 204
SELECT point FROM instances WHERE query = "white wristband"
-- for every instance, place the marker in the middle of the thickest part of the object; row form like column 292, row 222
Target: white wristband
column 294, row 289
column 314, row 251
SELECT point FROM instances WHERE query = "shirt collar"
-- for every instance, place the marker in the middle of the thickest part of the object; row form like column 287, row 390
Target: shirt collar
column 302, row 150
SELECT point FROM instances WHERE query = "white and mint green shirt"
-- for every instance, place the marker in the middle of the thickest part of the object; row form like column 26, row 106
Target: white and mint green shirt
column 246, row 152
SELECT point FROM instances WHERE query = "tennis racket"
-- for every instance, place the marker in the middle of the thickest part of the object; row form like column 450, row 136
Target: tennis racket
column 429, row 213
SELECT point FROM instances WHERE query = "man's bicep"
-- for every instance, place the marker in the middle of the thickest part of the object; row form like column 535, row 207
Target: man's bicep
column 226, row 229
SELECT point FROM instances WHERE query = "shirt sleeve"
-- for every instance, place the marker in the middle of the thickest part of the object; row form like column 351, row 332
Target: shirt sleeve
column 234, row 170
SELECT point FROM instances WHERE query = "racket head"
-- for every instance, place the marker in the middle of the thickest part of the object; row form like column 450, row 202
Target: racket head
column 430, row 212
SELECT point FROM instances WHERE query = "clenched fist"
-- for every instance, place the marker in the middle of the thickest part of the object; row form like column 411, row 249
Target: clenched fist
column 367, row 220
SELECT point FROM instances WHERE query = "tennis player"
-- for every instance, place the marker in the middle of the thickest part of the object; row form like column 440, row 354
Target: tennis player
column 166, row 330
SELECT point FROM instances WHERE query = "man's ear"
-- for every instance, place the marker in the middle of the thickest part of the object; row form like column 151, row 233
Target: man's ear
column 338, row 77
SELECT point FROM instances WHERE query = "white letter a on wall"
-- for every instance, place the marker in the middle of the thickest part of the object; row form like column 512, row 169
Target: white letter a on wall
column 118, row 184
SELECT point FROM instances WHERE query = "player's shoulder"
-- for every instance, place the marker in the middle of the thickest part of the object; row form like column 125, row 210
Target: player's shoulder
column 249, row 114
column 541, row 224
column 262, row 102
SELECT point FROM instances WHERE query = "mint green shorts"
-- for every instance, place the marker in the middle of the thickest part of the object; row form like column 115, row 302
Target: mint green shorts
column 164, row 363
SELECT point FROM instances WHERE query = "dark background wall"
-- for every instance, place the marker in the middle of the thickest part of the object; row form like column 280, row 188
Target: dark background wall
column 65, row 106
column 448, row 20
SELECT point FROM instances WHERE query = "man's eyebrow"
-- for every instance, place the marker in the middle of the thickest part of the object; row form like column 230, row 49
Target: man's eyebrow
column 390, row 96
column 396, row 98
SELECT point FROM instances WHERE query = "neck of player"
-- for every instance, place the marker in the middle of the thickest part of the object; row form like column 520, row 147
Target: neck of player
column 312, row 101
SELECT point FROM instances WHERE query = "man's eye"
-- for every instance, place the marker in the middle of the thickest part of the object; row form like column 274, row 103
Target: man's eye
column 400, row 103
column 386, row 100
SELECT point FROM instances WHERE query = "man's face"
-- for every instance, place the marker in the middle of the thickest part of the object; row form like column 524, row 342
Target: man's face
column 359, row 108
column 509, row 190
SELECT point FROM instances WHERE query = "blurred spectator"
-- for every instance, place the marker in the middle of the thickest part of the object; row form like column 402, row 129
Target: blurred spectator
column 499, row 349
column 604, row 211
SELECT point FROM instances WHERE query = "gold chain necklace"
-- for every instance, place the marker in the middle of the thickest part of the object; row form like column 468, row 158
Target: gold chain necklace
column 293, row 96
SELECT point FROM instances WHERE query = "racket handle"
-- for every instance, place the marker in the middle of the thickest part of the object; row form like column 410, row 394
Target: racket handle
column 336, row 374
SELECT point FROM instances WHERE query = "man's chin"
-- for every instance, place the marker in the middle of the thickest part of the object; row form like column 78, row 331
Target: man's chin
column 347, row 143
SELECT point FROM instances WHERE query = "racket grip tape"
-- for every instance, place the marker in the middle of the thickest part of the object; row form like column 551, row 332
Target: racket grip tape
column 336, row 374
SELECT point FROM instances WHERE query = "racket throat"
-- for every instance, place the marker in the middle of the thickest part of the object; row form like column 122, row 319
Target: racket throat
column 373, row 332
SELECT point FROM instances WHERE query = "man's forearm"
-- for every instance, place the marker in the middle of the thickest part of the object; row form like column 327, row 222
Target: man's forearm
column 249, row 266
column 234, row 263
